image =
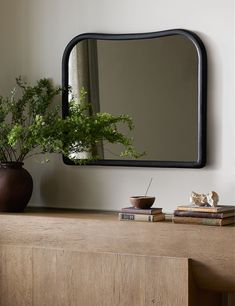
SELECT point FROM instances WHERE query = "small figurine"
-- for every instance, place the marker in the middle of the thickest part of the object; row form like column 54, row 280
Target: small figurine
column 200, row 199
column 213, row 198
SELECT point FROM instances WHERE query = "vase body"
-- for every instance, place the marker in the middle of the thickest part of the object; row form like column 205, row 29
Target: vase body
column 16, row 186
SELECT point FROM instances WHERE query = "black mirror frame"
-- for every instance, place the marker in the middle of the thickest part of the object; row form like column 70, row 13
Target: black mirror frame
column 202, row 96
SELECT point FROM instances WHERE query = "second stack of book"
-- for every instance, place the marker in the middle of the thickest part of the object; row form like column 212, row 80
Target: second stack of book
column 219, row 215
column 137, row 214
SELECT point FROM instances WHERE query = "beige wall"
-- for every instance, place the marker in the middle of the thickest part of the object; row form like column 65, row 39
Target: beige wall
column 33, row 36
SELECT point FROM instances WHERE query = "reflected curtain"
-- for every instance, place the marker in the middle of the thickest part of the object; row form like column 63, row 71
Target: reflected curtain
column 83, row 72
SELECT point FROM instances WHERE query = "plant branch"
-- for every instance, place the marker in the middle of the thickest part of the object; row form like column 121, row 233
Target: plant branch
column 33, row 122
column 8, row 152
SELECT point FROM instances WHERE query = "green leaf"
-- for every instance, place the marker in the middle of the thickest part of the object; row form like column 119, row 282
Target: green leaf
column 31, row 123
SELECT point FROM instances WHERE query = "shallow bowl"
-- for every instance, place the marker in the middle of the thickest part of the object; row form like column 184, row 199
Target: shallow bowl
column 142, row 201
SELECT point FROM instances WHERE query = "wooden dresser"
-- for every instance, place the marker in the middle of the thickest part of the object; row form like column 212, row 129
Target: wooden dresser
column 75, row 258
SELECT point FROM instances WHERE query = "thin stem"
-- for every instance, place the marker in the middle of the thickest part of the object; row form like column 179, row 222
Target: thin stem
column 3, row 154
column 20, row 147
column 22, row 156
column 11, row 152
column 8, row 153
column 107, row 150
column 25, row 156
column 14, row 153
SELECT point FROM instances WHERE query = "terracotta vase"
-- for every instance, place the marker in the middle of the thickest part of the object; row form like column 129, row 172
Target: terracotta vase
column 16, row 186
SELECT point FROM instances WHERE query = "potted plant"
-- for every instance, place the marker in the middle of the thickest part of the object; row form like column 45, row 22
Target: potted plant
column 31, row 123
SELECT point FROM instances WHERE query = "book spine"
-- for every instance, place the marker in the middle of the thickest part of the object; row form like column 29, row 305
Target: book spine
column 198, row 209
column 141, row 211
column 203, row 221
column 198, row 214
column 136, row 217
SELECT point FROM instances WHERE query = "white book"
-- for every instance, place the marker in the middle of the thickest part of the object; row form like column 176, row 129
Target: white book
column 141, row 217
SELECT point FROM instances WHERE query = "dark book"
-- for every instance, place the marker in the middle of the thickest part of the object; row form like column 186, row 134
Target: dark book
column 204, row 221
column 210, row 209
column 141, row 217
column 150, row 211
column 199, row 214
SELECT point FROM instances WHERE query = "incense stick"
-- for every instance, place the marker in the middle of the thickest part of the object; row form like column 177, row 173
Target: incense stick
column 148, row 186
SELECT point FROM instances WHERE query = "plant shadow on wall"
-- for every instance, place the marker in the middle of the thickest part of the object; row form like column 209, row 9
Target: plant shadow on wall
column 31, row 124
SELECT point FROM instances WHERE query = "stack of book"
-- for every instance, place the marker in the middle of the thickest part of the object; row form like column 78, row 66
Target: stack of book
column 219, row 215
column 137, row 214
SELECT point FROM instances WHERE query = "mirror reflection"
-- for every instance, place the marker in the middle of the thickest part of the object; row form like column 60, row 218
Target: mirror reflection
column 154, row 80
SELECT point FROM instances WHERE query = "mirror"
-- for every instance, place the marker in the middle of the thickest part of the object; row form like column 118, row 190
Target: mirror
column 159, row 79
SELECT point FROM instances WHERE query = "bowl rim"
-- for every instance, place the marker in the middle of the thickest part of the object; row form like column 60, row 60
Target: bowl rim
column 142, row 197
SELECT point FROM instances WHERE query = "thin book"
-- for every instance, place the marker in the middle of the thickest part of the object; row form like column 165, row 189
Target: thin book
column 199, row 214
column 149, row 211
column 204, row 221
column 210, row 209
column 141, row 217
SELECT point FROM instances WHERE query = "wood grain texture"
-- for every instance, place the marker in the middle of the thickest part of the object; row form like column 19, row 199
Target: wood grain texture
column 212, row 249
column 44, row 277
column 15, row 276
column 168, row 281
column 39, row 276
column 101, row 279
column 86, row 279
